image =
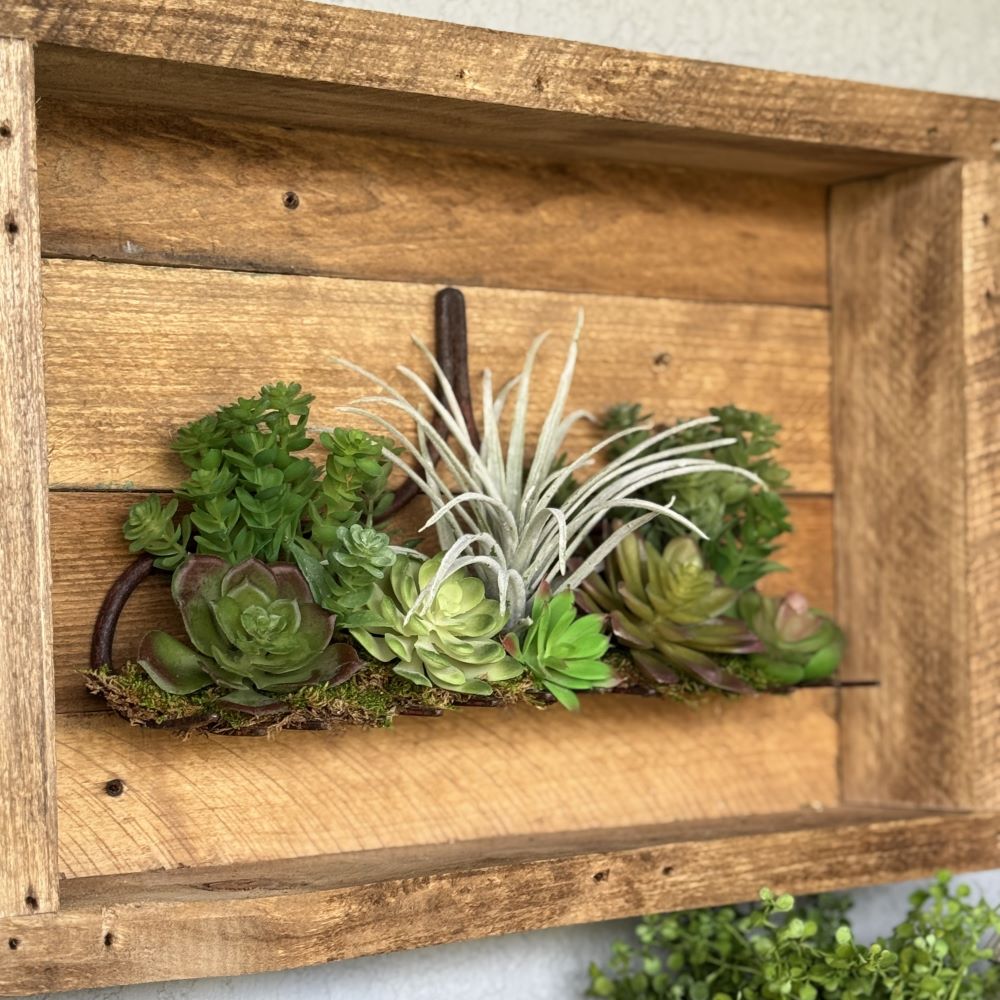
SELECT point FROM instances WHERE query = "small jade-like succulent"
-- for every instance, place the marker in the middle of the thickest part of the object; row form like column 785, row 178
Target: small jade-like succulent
column 344, row 581
column 255, row 630
column 800, row 643
column 670, row 611
column 451, row 644
column 562, row 649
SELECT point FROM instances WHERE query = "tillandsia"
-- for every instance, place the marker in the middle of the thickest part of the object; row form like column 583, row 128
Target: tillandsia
column 448, row 643
column 255, row 633
column 670, row 610
column 741, row 520
column 496, row 513
column 250, row 494
column 800, row 644
column 563, row 650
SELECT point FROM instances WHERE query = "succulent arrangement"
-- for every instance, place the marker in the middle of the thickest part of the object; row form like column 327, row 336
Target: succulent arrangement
column 633, row 565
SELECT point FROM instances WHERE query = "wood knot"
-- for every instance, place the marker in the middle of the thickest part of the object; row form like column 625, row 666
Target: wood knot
column 667, row 870
column 5, row 131
column 10, row 225
column 109, row 939
column 31, row 901
column 13, row 944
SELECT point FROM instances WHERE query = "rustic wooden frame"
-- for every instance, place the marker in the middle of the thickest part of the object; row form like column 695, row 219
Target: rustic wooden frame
column 914, row 278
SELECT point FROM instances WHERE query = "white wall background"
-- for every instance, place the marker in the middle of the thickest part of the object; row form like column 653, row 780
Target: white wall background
column 948, row 45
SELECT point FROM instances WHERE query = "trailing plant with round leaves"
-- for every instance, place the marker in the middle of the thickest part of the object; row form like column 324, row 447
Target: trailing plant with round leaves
column 670, row 611
column 562, row 650
column 495, row 513
column 255, row 633
column 250, row 495
column 449, row 643
column 800, row 643
column 741, row 521
column 783, row 950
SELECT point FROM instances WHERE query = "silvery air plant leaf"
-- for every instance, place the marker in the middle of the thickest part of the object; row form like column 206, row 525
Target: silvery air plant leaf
column 670, row 610
column 451, row 643
column 501, row 520
column 256, row 633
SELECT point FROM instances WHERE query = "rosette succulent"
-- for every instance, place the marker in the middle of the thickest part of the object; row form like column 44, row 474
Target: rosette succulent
column 670, row 610
column 562, row 649
column 255, row 632
column 343, row 582
column 800, row 643
column 451, row 643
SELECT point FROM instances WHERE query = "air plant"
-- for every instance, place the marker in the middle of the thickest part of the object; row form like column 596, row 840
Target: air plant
column 496, row 513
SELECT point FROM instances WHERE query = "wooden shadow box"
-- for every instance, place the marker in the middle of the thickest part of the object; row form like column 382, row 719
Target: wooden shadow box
column 200, row 196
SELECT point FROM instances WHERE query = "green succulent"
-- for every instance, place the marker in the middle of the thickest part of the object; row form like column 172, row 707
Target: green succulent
column 344, row 581
column 451, row 644
column 742, row 521
column 669, row 609
column 255, row 633
column 562, row 650
column 354, row 487
column 150, row 528
column 800, row 643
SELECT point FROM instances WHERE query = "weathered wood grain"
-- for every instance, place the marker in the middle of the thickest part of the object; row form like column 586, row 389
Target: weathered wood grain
column 470, row 774
column 90, row 523
column 294, row 61
column 253, row 918
column 152, row 348
column 981, row 314
column 915, row 410
column 27, row 766
column 139, row 186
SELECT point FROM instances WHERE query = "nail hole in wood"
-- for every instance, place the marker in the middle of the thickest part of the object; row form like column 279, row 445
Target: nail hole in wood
column 539, row 84
column 460, row 75
column 602, row 876
column 31, row 901
column 986, row 218
column 109, row 939
column 115, row 787
column 10, row 224
column 5, row 132
column 667, row 870
column 290, row 200
column 662, row 359
column 12, row 943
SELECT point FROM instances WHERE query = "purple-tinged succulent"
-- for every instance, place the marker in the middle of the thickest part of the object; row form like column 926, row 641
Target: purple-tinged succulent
column 255, row 631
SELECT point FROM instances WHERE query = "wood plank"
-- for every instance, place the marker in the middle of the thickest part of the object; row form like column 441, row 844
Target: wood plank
column 981, row 275
column 161, row 346
column 140, row 186
column 906, row 345
column 28, row 877
column 322, row 63
column 88, row 553
column 431, row 781
column 241, row 919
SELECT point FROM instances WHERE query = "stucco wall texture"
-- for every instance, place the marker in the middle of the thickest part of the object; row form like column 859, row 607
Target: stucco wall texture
column 947, row 45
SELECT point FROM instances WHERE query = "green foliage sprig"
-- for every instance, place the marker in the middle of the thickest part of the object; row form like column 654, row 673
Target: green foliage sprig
column 780, row 949
column 742, row 520
column 251, row 495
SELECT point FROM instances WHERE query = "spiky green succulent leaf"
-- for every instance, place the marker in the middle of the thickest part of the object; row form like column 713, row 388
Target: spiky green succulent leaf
column 669, row 609
column 562, row 649
column 150, row 528
column 253, row 628
column 800, row 643
column 449, row 644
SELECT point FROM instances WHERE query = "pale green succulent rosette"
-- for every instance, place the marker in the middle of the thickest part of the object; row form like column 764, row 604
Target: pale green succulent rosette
column 449, row 645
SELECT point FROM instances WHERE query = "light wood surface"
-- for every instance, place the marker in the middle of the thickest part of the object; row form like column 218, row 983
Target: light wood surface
column 981, row 313
column 476, row 773
column 27, row 765
column 915, row 412
column 143, row 187
column 161, row 346
column 296, row 61
column 254, row 918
